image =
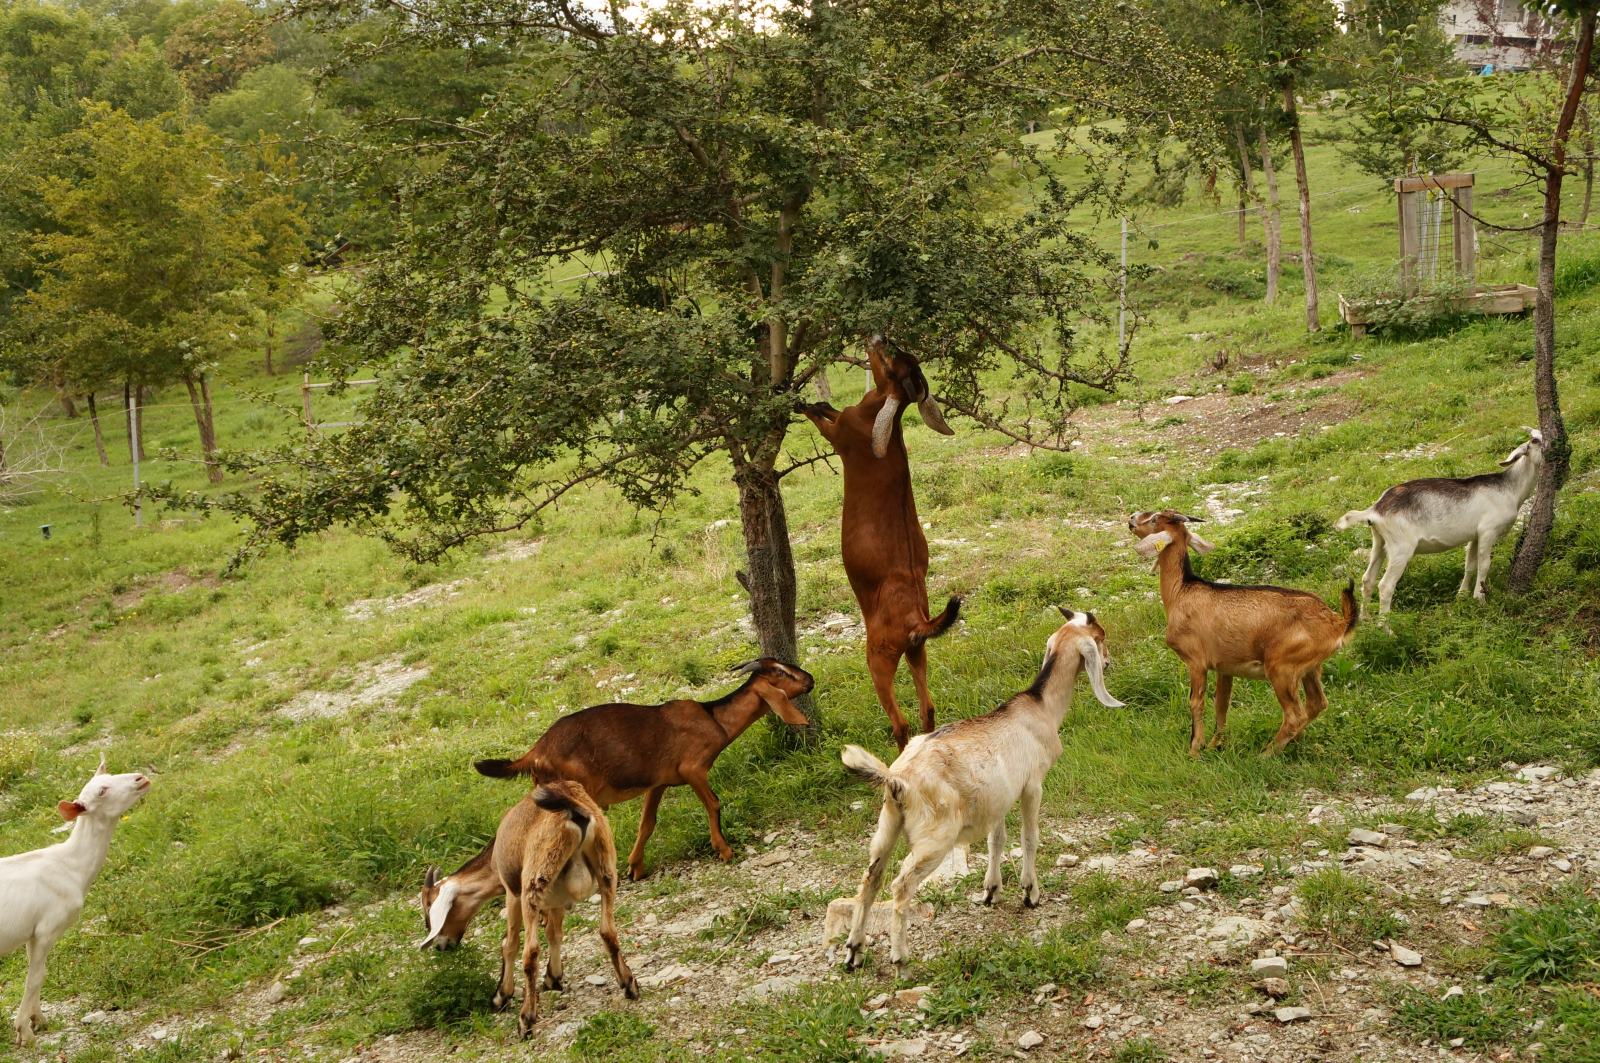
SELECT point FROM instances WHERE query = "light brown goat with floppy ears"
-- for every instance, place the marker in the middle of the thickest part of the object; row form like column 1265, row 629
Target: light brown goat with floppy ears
column 552, row 849
column 1271, row 633
column 884, row 551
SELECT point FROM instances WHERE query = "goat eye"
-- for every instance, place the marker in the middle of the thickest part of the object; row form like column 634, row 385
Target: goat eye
column 104, row 790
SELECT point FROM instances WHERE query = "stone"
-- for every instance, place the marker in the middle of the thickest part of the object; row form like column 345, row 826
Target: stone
column 276, row 992
column 1367, row 837
column 1291, row 1014
column 1561, row 864
column 1203, row 877
column 1276, row 988
column 1030, row 1040
column 159, row 1033
column 1403, row 956
column 1093, row 1022
column 1269, row 967
column 877, row 1003
column 595, row 979
column 1067, row 860
column 952, row 867
column 772, row 859
column 1236, row 931
column 673, row 972
column 1171, row 887
column 842, row 911
column 1540, row 852
column 908, row 1048
column 777, row 985
column 1245, row 870
column 1453, row 992
column 1538, row 772
column 1101, row 863
column 1477, row 900
column 92, row 1018
column 778, row 958
column 910, row 998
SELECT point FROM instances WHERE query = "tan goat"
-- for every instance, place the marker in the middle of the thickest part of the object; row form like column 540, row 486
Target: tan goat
column 552, row 849
column 1270, row 633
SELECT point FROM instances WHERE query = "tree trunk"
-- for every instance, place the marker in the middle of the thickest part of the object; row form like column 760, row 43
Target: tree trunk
column 271, row 332
column 769, row 576
column 1247, row 191
column 1588, row 168
column 1271, row 221
column 130, row 394
column 1558, row 452
column 1308, row 258
column 200, row 402
column 68, row 407
column 99, row 438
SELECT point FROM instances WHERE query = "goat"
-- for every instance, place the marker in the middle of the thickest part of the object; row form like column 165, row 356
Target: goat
column 42, row 892
column 954, row 786
column 1437, row 514
column 885, row 553
column 620, row 751
column 1243, row 632
column 552, row 849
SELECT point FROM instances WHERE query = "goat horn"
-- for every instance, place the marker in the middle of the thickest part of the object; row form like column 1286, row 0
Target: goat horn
column 430, row 879
column 933, row 416
column 883, row 427
column 750, row 667
column 101, row 770
column 1191, row 520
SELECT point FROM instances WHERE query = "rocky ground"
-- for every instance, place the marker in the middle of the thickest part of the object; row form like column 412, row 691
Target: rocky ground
column 1244, row 961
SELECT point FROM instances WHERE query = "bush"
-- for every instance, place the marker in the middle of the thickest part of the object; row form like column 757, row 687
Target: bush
column 1555, row 942
column 1435, row 303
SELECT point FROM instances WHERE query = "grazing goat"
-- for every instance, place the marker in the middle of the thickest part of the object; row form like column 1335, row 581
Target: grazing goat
column 1433, row 515
column 620, row 751
column 42, row 892
column 885, row 553
column 954, row 786
column 552, row 850
column 1270, row 633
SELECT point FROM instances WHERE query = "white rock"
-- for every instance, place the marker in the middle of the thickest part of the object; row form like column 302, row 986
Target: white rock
column 1171, row 887
column 1561, row 864
column 952, row 867
column 877, row 1003
column 276, row 992
column 1403, row 956
column 772, row 859
column 1538, row 773
column 1093, row 1022
column 777, row 985
column 909, row 1048
column 1201, row 876
column 596, row 979
column 910, row 998
column 91, row 1018
column 1173, row 400
column 1453, row 992
column 841, row 910
column 673, row 972
column 1269, row 967
column 1245, row 870
column 1291, row 1014
column 1540, row 852
column 1367, row 837
column 1236, row 931
column 1067, row 860
column 1137, row 924
column 1030, row 1040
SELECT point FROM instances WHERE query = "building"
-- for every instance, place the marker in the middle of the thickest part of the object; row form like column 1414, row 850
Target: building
column 1496, row 34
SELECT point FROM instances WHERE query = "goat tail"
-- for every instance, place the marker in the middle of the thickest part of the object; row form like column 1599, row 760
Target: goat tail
column 500, row 768
column 870, row 769
column 1353, row 519
column 1350, row 608
column 932, row 629
column 565, row 798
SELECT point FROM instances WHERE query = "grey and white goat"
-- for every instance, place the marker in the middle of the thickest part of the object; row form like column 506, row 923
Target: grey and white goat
column 1441, row 513
column 955, row 786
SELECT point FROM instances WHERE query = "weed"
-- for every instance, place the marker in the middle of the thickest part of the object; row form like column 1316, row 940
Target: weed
column 1558, row 941
column 1346, row 909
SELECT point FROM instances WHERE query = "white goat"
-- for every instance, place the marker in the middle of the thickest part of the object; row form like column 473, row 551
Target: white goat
column 955, row 786
column 42, row 892
column 1433, row 515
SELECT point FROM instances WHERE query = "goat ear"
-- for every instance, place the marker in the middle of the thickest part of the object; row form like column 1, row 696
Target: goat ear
column 1199, row 544
column 1191, row 520
column 71, row 810
column 883, row 427
column 1151, row 544
column 431, row 879
column 933, row 417
column 780, row 704
column 1095, row 665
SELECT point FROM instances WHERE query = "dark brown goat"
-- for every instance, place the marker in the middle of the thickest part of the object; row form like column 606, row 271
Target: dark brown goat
column 617, row 752
column 885, row 553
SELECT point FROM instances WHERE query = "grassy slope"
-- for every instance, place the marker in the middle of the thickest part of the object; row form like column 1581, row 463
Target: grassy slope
column 182, row 676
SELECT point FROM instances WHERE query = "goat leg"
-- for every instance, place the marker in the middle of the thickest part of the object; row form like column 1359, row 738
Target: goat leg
column 554, row 924
column 1224, row 696
column 647, row 826
column 697, row 782
column 1197, row 707
column 506, row 991
column 1032, row 794
column 530, row 967
column 997, row 855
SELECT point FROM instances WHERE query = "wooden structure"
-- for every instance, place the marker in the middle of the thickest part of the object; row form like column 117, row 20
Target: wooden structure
column 1423, row 204
column 307, row 387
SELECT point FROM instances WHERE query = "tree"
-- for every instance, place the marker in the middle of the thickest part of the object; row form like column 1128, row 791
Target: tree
column 1530, row 121
column 1380, row 136
column 753, row 198
column 140, row 273
column 218, row 46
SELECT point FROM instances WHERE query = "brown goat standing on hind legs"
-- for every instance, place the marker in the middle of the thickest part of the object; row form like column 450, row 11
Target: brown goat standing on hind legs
column 552, row 849
column 885, row 553
column 1270, row 633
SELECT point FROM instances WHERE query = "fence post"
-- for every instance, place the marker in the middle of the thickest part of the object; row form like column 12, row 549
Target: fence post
column 1122, row 296
column 133, row 430
column 305, row 403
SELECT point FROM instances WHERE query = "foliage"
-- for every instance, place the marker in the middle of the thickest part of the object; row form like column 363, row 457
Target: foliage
column 1381, row 136
column 218, row 46
column 1437, row 301
column 1558, row 941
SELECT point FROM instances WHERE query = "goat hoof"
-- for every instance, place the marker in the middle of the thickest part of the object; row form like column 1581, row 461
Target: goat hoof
column 988, row 894
column 1032, row 899
column 501, row 1000
column 852, row 957
column 725, row 855
column 553, row 982
column 636, row 872
column 525, row 1026
column 630, row 989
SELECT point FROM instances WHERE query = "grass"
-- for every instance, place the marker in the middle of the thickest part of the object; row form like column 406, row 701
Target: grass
column 1345, row 909
column 129, row 640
